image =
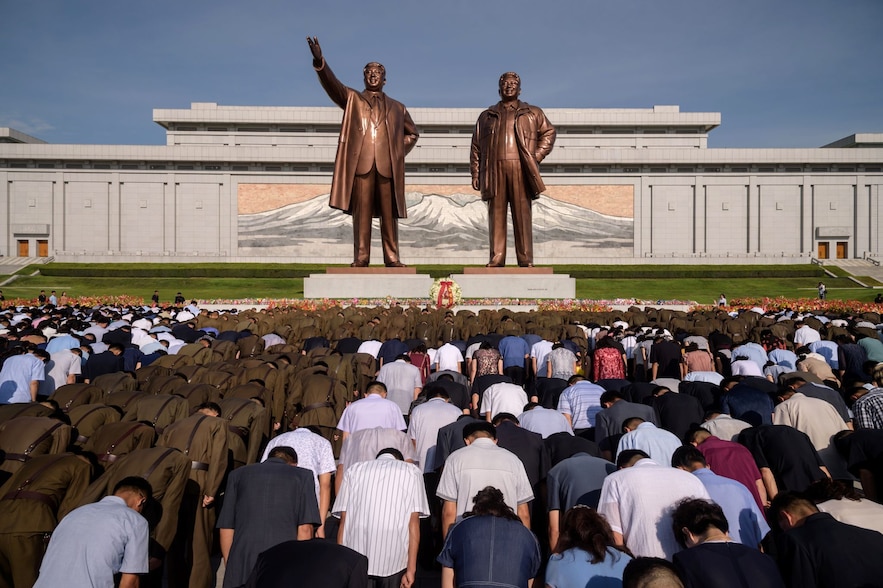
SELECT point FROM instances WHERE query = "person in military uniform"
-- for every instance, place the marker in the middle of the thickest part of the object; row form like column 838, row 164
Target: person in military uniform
column 88, row 418
column 202, row 437
column 115, row 440
column 72, row 395
column 32, row 502
column 160, row 411
column 248, row 422
column 319, row 399
column 167, row 470
column 30, row 409
column 24, row 438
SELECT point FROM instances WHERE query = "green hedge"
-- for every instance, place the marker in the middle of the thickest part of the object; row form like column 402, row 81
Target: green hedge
column 211, row 270
column 693, row 271
column 269, row 270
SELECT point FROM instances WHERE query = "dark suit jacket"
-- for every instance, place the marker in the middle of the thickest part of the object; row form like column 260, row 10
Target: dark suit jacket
column 264, row 505
column 316, row 562
column 825, row 552
column 529, row 448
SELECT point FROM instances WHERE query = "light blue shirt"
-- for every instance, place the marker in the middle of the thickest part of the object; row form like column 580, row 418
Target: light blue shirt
column 62, row 342
column 16, row 376
column 574, row 569
column 752, row 351
column 93, row 543
column 828, row 350
column 544, row 421
column 658, row 443
column 785, row 358
column 747, row 523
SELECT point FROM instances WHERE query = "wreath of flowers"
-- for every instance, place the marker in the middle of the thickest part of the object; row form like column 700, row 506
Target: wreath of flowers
column 445, row 293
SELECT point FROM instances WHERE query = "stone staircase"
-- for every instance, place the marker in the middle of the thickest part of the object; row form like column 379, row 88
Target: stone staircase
column 857, row 267
column 10, row 265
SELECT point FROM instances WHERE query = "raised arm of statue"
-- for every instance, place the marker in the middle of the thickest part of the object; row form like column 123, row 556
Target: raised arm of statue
column 333, row 87
column 316, row 50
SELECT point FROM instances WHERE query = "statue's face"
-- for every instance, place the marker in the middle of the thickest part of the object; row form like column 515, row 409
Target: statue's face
column 510, row 88
column 375, row 77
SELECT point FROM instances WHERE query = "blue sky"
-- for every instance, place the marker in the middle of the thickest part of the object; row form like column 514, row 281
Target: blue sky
column 783, row 73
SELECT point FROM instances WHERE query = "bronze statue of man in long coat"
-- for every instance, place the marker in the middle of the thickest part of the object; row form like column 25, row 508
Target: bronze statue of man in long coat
column 510, row 140
column 369, row 169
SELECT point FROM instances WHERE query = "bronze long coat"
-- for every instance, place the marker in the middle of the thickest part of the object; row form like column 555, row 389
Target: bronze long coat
column 535, row 136
column 355, row 126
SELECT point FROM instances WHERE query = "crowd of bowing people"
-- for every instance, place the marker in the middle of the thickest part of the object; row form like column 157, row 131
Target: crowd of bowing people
column 706, row 448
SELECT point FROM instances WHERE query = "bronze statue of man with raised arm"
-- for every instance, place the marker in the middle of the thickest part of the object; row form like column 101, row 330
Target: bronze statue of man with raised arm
column 510, row 140
column 369, row 168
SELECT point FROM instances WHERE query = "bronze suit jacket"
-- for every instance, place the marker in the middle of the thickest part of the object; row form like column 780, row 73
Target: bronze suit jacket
column 535, row 136
column 356, row 123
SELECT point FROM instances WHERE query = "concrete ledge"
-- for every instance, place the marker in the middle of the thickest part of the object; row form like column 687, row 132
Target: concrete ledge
column 367, row 285
column 500, row 284
column 507, row 270
column 379, row 269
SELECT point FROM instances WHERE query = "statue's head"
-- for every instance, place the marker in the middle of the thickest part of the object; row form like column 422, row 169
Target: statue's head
column 510, row 86
column 375, row 76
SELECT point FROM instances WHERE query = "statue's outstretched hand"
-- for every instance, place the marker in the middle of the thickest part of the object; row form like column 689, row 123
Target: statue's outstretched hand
column 315, row 48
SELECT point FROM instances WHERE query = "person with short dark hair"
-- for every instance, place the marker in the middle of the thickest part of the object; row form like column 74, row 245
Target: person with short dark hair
column 374, row 410
column 97, row 541
column 314, row 454
column 615, row 410
column 490, row 546
column 657, row 442
column 651, row 572
column 106, row 362
column 380, row 505
column 731, row 460
column 21, row 376
column 403, row 381
column 636, row 501
column 846, row 504
column 713, row 559
column 478, row 465
column 426, row 421
column 585, row 553
column 265, row 504
column 818, row 419
column 816, row 550
column 747, row 519
column 203, row 438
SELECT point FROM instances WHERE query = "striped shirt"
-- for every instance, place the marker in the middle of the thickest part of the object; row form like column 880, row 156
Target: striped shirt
column 378, row 498
column 582, row 401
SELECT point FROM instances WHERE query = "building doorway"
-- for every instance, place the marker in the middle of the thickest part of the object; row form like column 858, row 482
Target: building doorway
column 842, row 249
column 42, row 247
column 24, row 248
column 824, row 250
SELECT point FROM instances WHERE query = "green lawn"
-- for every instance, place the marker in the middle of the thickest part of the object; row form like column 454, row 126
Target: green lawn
column 201, row 288
column 707, row 290
column 286, row 281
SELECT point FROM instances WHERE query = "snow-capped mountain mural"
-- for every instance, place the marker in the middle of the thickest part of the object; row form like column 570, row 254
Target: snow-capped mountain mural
column 448, row 227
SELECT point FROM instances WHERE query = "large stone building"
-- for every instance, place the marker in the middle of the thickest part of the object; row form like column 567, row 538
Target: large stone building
column 623, row 186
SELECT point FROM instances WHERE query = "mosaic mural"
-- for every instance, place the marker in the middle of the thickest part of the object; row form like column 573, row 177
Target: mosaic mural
column 447, row 223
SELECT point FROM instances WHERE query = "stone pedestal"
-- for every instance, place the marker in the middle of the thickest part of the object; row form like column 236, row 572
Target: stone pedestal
column 367, row 282
column 514, row 282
